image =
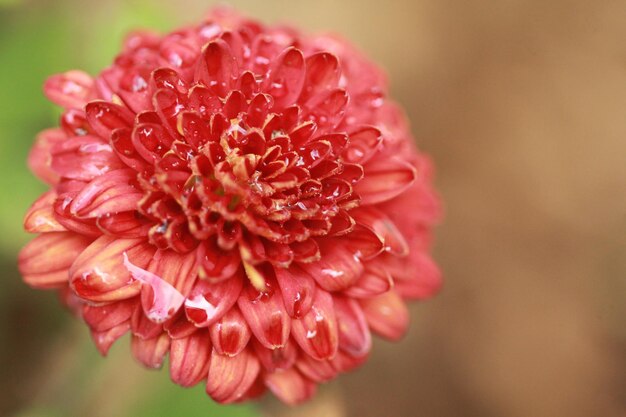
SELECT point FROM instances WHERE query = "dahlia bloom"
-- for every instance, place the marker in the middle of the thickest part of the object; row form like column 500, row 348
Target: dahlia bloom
column 245, row 198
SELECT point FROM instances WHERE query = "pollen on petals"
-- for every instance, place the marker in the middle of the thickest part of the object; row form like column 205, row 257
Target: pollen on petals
column 243, row 198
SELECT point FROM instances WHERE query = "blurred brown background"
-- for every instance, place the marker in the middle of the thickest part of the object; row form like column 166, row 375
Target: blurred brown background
column 522, row 106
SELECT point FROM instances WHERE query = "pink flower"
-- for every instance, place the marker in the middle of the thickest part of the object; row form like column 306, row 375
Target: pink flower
column 244, row 198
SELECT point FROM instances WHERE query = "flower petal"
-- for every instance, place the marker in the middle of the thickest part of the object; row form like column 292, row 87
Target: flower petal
column 160, row 299
column 338, row 267
column 266, row 314
column 297, row 288
column 104, row 317
column 44, row 262
column 218, row 67
column 40, row 156
column 382, row 225
column 70, row 89
column 105, row 339
column 112, row 192
column 104, row 117
column 230, row 334
column 98, row 274
column 290, row 386
column 354, row 334
column 316, row 332
column 384, row 179
column 387, row 315
column 84, row 158
column 277, row 358
column 189, row 358
column 208, row 302
column 40, row 216
column 286, row 77
column 230, row 377
column 150, row 352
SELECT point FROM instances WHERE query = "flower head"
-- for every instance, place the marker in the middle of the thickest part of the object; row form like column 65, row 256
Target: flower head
column 242, row 197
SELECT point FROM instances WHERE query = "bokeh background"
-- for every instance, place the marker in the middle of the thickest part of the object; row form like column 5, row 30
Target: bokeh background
column 521, row 104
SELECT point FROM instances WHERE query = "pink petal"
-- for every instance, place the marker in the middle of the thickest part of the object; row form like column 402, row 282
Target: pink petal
column 98, row 274
column 150, row 352
column 70, row 89
column 160, row 299
column 297, row 288
column 142, row 326
column 387, row 315
column 208, row 302
column 230, row 334
column 178, row 326
column 230, row 377
column 189, row 358
column 385, row 179
column 266, row 315
column 290, row 386
column 316, row 332
column 44, row 262
column 40, row 216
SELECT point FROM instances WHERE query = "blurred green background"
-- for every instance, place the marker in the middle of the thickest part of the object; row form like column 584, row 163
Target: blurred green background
column 521, row 104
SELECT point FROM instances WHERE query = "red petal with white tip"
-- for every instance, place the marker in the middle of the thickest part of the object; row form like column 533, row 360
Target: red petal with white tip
column 230, row 334
column 189, row 358
column 266, row 315
column 70, row 89
column 99, row 274
column 385, row 179
column 316, row 332
column 230, row 377
column 290, row 386
column 387, row 315
column 150, row 352
column 45, row 260
column 208, row 302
